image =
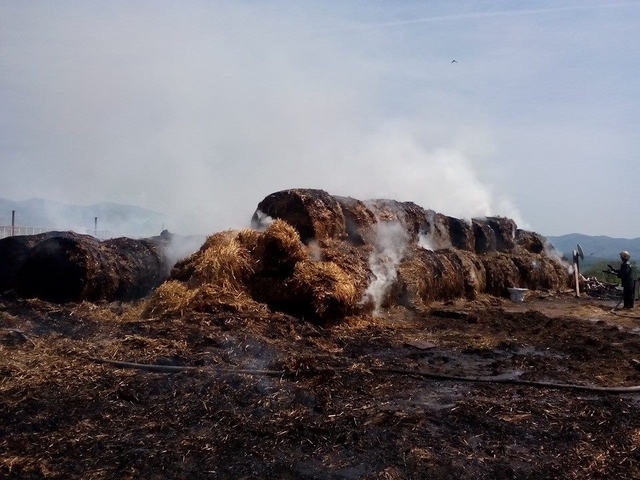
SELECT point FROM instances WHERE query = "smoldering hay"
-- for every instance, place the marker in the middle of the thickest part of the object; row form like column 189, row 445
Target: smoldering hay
column 323, row 257
column 66, row 267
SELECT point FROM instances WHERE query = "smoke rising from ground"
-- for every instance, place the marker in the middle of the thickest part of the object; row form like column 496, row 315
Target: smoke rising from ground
column 391, row 243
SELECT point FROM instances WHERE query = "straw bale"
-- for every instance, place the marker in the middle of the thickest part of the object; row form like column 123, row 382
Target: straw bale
column 223, row 261
column 412, row 217
column 359, row 221
column 540, row 272
column 474, row 277
column 313, row 213
column 80, row 267
column 530, row 241
column 15, row 250
column 435, row 233
column 425, row 276
column 493, row 234
column 461, row 234
column 279, row 248
column 501, row 273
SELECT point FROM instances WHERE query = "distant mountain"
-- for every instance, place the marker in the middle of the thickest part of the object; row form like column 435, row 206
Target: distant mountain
column 113, row 219
column 596, row 247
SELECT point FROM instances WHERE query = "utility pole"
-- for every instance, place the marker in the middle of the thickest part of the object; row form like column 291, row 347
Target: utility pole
column 13, row 222
column 95, row 227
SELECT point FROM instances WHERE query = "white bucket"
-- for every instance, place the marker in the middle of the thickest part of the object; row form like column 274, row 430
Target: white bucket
column 517, row 294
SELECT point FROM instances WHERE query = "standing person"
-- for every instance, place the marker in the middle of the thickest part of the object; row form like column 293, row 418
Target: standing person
column 625, row 274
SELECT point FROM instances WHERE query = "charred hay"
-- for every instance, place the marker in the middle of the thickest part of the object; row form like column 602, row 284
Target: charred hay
column 79, row 267
column 13, row 253
column 322, row 257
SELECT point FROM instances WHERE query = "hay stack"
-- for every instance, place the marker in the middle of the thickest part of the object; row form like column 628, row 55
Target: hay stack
column 461, row 234
column 313, row 213
column 501, row 274
column 13, row 253
column 494, row 234
column 318, row 291
column 359, row 221
column 540, row 272
column 530, row 241
column 79, row 267
column 425, row 276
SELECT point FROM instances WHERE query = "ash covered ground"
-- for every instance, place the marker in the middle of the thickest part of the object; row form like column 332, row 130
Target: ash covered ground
column 279, row 397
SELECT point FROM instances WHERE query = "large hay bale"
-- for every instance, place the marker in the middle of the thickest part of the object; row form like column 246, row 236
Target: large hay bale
column 434, row 233
column 80, row 267
column 461, row 234
column 501, row 274
column 13, row 253
column 413, row 218
column 474, row 276
column 530, row 241
column 425, row 276
column 540, row 272
column 359, row 221
column 494, row 234
column 223, row 261
column 313, row 213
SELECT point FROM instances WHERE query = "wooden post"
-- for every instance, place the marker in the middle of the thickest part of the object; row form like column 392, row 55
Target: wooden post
column 13, row 222
column 576, row 272
column 95, row 227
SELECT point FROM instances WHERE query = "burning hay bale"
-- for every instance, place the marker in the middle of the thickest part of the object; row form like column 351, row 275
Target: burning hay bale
column 494, row 234
column 216, row 276
column 79, row 267
column 358, row 220
column 425, row 276
column 313, row 213
column 540, row 272
column 461, row 234
column 530, row 241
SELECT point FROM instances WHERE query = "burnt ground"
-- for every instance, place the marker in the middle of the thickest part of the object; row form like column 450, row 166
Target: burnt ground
column 277, row 397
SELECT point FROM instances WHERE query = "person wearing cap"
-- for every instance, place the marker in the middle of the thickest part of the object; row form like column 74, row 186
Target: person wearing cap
column 625, row 274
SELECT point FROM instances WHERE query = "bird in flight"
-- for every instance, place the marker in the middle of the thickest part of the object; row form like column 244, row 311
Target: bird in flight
column 454, row 61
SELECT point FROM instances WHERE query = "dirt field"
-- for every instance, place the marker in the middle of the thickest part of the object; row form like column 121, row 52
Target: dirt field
column 277, row 397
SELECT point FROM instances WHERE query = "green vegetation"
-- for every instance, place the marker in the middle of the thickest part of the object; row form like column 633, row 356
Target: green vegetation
column 596, row 270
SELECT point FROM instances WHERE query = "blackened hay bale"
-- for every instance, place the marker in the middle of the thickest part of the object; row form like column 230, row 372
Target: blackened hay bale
column 14, row 252
column 80, row 267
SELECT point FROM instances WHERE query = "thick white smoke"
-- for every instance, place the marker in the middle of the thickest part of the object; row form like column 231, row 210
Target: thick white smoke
column 391, row 244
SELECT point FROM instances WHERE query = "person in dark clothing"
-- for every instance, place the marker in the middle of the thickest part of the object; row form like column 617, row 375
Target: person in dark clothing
column 625, row 274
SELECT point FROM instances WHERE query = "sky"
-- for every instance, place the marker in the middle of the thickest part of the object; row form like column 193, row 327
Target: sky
column 200, row 109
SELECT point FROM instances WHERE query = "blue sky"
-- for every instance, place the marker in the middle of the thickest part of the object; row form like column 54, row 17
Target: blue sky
column 199, row 109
